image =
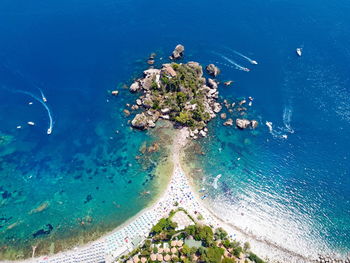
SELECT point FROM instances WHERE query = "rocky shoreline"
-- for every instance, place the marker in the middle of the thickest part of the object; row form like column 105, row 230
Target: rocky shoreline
column 183, row 94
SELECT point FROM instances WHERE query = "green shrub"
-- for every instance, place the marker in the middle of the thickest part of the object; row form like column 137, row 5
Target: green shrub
column 228, row 260
column 255, row 258
column 213, row 254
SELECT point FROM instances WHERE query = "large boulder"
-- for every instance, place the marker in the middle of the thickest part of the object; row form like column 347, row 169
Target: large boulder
column 213, row 70
column 242, row 123
column 146, row 83
column 217, row 107
column 135, row 87
column 229, row 122
column 178, row 52
column 147, row 102
column 254, row 124
column 212, row 83
column 151, row 71
column 140, row 121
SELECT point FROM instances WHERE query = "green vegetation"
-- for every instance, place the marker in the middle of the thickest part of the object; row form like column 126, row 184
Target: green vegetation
column 163, row 230
column 210, row 246
column 213, row 254
column 255, row 258
column 182, row 94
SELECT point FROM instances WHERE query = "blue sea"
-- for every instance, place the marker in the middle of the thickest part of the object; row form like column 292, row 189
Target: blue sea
column 287, row 182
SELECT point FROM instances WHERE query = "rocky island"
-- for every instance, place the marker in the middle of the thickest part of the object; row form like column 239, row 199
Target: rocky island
column 180, row 92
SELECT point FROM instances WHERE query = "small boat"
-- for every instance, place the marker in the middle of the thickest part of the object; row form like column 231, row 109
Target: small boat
column 49, row 130
column 204, row 196
column 246, row 69
column 44, row 99
column 31, row 123
column 299, row 51
column 202, row 190
column 30, row 103
column 254, row 62
column 19, row 127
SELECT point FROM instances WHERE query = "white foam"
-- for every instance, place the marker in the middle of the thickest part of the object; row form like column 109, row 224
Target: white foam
column 215, row 182
column 236, row 65
column 245, row 57
column 50, row 128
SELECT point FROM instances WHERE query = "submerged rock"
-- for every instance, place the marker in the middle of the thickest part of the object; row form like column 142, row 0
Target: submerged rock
column 43, row 231
column 126, row 112
column 229, row 122
column 228, row 83
column 115, row 92
column 43, row 206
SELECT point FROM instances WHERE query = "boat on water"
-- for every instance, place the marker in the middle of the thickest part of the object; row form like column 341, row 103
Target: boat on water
column 246, row 69
column 31, row 123
column 204, row 196
column 254, row 62
column 299, row 51
column 49, row 131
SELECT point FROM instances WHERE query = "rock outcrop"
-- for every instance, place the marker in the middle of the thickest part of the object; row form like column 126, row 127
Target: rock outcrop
column 135, row 87
column 179, row 92
column 213, row 70
column 212, row 84
column 254, row 124
column 140, row 121
column 229, row 122
column 244, row 124
column 178, row 52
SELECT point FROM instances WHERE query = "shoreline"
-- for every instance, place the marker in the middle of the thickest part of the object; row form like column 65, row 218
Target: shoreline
column 179, row 190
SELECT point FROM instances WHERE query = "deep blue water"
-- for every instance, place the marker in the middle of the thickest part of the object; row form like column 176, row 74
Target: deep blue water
column 75, row 51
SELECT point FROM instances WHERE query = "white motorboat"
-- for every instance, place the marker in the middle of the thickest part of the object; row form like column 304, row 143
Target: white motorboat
column 31, row 123
column 299, row 52
column 254, row 62
column 49, row 130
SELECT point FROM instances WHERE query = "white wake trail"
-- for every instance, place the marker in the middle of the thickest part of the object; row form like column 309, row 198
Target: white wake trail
column 42, row 95
column 49, row 130
column 237, row 66
column 287, row 117
column 252, row 61
column 280, row 132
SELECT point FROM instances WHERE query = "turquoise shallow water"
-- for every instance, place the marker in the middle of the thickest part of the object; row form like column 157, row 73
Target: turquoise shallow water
column 293, row 191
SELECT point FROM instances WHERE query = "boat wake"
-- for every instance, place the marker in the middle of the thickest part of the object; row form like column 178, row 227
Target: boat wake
column 41, row 101
column 245, row 57
column 237, row 66
column 42, row 95
column 287, row 117
column 281, row 132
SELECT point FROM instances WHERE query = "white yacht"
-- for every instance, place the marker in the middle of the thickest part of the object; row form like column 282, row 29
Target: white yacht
column 49, row 130
column 254, row 62
column 31, row 123
column 299, row 51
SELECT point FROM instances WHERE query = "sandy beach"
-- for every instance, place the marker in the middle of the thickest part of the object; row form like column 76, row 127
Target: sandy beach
column 131, row 233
